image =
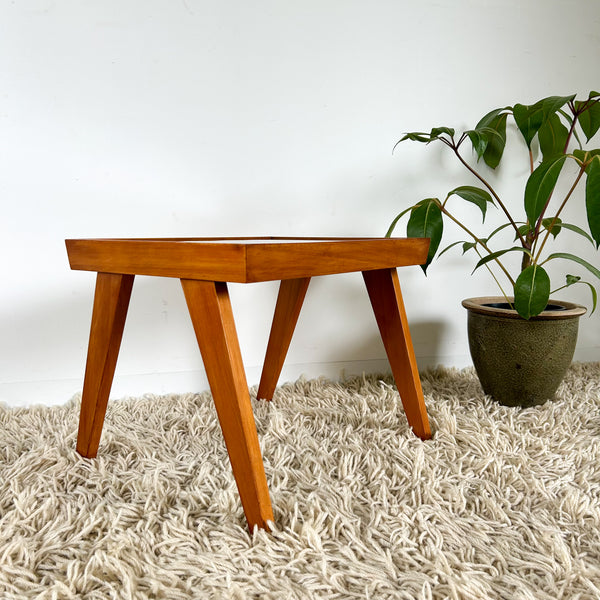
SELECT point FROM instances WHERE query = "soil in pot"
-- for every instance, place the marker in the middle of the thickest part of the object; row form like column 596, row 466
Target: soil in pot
column 520, row 362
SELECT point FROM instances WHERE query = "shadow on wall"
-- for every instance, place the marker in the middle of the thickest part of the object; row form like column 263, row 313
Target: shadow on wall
column 46, row 339
column 337, row 326
column 428, row 338
column 363, row 355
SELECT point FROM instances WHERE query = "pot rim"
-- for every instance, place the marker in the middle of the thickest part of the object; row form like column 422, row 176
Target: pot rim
column 477, row 305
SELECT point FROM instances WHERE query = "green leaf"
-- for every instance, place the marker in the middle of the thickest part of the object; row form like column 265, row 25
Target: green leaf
column 465, row 245
column 479, row 140
column 417, row 136
column 395, row 221
column 529, row 119
column 586, row 156
column 450, row 246
column 492, row 117
column 594, row 296
column 425, row 138
column 495, row 255
column 481, row 137
column 540, row 185
column 578, row 230
column 498, row 229
column 426, row 221
column 574, row 228
column 475, row 195
column 495, row 120
column 592, row 198
column 553, row 137
column 571, row 279
column 553, row 103
column 584, row 263
column 436, row 132
column 523, row 231
column 552, row 225
column 589, row 119
column 532, row 291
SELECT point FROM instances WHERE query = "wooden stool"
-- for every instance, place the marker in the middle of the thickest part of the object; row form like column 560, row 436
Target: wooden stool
column 204, row 266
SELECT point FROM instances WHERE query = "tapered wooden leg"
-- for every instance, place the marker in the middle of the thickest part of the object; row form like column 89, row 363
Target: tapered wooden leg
column 386, row 298
column 212, row 317
column 111, row 300
column 289, row 302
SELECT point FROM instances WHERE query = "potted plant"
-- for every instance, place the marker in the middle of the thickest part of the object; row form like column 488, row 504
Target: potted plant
column 521, row 334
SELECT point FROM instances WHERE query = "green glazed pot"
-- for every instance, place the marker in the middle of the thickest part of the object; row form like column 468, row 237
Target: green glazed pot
column 520, row 362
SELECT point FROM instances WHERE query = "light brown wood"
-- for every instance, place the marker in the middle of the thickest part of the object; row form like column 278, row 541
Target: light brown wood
column 386, row 298
column 289, row 302
column 111, row 300
column 160, row 258
column 210, row 310
column 244, row 260
column 309, row 259
column 203, row 264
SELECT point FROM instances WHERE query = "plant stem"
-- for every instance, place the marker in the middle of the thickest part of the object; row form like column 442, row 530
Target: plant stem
column 538, row 224
column 531, row 169
column 478, row 241
column 572, row 128
column 576, row 113
column 493, row 192
column 555, row 219
column 495, row 279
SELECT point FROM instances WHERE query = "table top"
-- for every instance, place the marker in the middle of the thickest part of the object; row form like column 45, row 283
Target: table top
column 244, row 259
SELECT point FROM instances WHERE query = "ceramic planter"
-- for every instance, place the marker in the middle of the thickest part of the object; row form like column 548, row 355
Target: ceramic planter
column 520, row 362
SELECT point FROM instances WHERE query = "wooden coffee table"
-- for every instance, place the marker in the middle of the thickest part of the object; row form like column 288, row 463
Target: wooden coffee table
column 204, row 266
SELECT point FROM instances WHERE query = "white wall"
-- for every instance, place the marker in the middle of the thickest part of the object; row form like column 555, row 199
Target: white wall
column 198, row 117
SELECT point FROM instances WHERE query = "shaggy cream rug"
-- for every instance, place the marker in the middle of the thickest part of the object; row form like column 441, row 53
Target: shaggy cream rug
column 501, row 503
